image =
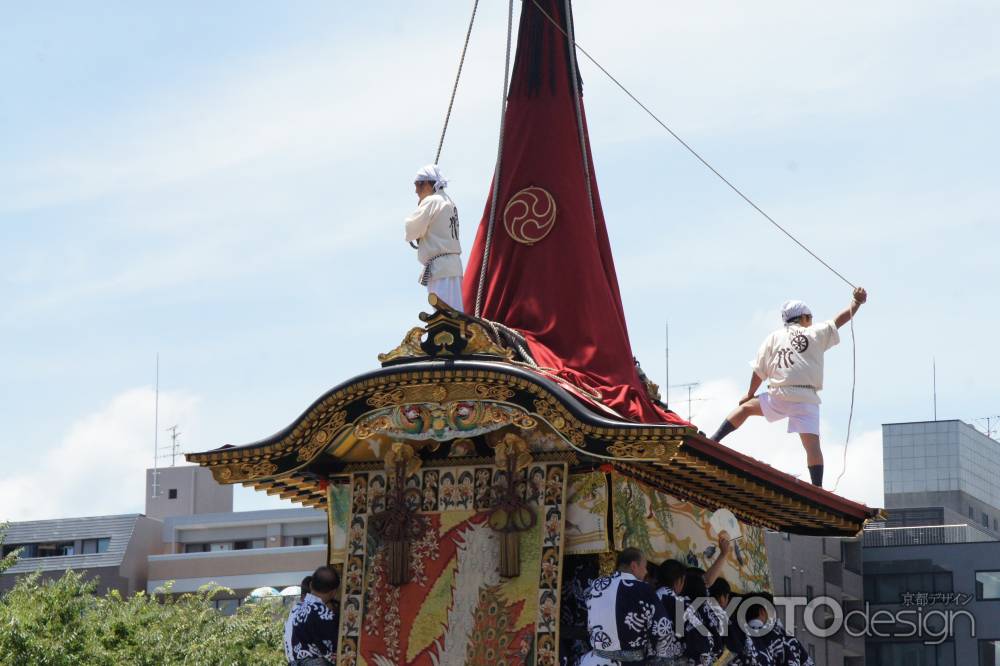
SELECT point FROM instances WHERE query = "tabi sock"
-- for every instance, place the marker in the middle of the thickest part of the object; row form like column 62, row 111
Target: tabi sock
column 723, row 430
column 816, row 472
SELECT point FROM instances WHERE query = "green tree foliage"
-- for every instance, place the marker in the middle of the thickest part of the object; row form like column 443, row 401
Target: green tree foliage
column 63, row 622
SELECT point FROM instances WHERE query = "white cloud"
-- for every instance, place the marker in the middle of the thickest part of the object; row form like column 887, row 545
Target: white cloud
column 99, row 466
column 770, row 443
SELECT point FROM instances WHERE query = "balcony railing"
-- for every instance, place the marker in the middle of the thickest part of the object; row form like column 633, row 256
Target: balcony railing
column 879, row 537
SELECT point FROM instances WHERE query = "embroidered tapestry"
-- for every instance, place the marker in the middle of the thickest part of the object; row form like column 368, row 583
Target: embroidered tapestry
column 338, row 513
column 665, row 527
column 587, row 514
column 456, row 609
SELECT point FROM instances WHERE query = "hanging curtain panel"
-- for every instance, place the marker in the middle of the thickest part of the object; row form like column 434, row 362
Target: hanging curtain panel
column 456, row 609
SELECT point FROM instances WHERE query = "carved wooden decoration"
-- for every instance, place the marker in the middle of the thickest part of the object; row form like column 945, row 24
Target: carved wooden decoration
column 399, row 525
column 510, row 511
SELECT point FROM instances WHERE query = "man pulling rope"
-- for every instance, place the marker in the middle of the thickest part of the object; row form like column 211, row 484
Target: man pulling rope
column 791, row 360
column 434, row 227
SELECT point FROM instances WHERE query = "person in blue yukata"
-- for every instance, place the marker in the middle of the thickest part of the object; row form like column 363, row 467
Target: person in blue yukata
column 626, row 621
column 314, row 624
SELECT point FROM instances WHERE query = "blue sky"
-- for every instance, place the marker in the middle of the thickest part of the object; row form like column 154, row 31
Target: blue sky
column 225, row 185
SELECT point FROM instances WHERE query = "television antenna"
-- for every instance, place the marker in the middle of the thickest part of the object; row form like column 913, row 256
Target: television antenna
column 690, row 387
column 992, row 425
column 175, row 446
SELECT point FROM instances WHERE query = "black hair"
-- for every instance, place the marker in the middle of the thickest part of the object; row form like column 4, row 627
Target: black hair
column 668, row 571
column 757, row 609
column 694, row 584
column 325, row 579
column 306, row 586
column 720, row 588
column 629, row 556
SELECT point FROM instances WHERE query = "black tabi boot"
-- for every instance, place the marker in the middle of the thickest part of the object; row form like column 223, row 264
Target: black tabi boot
column 723, row 430
column 816, row 472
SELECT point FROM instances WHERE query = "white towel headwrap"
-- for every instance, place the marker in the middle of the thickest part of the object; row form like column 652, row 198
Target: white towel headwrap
column 793, row 309
column 432, row 173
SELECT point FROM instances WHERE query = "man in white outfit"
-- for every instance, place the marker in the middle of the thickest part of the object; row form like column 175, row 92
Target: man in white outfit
column 434, row 228
column 791, row 360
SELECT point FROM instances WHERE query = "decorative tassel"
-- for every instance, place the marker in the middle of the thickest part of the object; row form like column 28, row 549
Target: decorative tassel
column 398, row 556
column 510, row 554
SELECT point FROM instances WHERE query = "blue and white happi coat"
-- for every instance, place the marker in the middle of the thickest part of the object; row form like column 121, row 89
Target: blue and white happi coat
column 313, row 631
column 775, row 648
column 626, row 622
column 690, row 641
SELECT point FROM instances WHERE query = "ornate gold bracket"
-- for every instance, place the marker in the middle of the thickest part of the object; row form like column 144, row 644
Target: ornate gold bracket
column 447, row 333
column 399, row 525
column 511, row 512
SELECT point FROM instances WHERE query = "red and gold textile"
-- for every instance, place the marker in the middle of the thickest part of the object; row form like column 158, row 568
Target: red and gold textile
column 456, row 609
column 550, row 273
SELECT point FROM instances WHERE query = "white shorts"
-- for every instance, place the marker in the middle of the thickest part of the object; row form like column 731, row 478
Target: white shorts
column 448, row 290
column 802, row 417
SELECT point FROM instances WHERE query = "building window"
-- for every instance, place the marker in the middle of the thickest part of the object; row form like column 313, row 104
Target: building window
column 988, row 585
column 809, row 592
column 986, row 521
column 220, row 547
column 172, row 493
column 910, row 653
column 972, row 513
column 989, row 653
column 91, row 546
column 890, row 588
column 195, row 547
column 57, row 549
column 248, row 544
column 316, row 540
column 788, row 586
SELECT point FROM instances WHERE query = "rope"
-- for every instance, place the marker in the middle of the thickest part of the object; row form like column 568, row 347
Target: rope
column 735, row 189
column 496, row 171
column 579, row 112
column 689, row 148
column 454, row 90
column 850, row 414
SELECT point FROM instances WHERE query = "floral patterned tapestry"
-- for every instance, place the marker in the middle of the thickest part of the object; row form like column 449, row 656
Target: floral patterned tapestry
column 456, row 609
column 338, row 513
column 665, row 527
column 587, row 514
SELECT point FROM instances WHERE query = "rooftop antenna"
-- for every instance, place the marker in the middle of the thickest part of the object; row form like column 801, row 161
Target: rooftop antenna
column 991, row 429
column 691, row 386
column 156, row 432
column 174, row 446
column 666, row 355
column 934, row 365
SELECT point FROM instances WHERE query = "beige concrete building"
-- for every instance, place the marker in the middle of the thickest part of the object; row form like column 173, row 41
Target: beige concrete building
column 241, row 551
column 113, row 549
column 188, row 537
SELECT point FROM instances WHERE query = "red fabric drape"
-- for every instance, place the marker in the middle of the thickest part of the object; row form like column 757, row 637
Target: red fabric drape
column 561, row 292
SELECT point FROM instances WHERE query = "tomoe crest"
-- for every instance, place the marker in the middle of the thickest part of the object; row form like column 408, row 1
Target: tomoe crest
column 530, row 215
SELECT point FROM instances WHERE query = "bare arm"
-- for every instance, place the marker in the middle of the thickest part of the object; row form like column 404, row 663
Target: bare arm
column 860, row 296
column 755, row 381
column 725, row 545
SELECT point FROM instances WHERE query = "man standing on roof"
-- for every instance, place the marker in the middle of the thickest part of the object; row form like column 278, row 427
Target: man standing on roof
column 791, row 360
column 433, row 227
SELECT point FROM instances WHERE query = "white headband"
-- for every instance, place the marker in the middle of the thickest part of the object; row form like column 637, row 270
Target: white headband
column 432, row 174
